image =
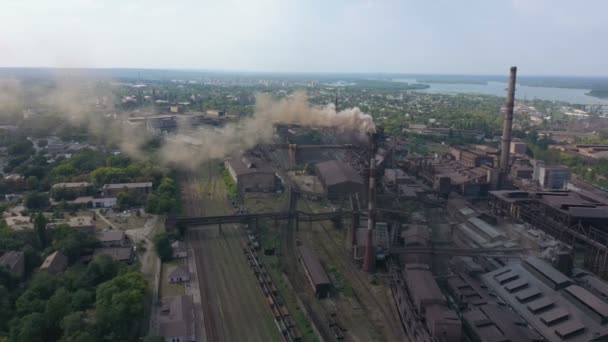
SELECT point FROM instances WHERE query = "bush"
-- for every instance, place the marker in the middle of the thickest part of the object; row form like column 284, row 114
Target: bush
column 37, row 200
column 162, row 245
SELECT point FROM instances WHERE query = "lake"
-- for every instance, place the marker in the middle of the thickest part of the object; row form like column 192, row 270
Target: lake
column 522, row 92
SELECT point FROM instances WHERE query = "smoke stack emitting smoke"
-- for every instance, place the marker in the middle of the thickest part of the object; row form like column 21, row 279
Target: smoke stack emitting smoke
column 73, row 101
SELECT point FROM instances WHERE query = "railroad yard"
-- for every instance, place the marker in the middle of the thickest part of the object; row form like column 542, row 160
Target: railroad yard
column 327, row 242
column 233, row 306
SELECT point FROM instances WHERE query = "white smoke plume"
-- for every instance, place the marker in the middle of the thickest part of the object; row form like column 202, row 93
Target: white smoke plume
column 82, row 101
column 208, row 143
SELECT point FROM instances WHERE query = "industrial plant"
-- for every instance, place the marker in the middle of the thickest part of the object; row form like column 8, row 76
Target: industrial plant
column 481, row 243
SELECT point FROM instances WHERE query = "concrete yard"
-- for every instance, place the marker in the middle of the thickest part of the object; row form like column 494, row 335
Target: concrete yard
column 232, row 303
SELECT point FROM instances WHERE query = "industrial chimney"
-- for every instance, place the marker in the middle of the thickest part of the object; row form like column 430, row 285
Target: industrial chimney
column 506, row 128
column 369, row 260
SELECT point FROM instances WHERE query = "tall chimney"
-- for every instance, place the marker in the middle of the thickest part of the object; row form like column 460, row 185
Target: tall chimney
column 369, row 260
column 506, row 128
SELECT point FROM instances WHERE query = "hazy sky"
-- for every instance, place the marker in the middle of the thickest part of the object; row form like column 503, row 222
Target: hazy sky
column 563, row 37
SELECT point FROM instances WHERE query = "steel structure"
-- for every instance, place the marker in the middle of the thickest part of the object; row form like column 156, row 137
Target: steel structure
column 507, row 127
column 560, row 226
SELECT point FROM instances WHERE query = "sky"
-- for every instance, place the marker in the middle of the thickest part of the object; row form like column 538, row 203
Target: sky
column 541, row 37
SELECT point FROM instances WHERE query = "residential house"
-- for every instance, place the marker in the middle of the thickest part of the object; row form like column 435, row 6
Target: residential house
column 179, row 275
column 14, row 262
column 55, row 263
column 113, row 238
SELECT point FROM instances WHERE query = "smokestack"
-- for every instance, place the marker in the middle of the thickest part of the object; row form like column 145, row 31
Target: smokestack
column 369, row 260
column 506, row 129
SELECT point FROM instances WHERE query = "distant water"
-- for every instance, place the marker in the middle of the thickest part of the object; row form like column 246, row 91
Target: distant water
column 576, row 96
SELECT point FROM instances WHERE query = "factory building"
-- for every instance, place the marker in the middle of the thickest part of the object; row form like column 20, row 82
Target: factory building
column 251, row 175
column 551, row 302
column 553, row 177
column 483, row 317
column 429, row 302
column 339, row 179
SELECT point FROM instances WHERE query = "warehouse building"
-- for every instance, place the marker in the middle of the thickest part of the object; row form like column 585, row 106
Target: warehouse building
column 250, row 175
column 339, row 179
column 551, row 302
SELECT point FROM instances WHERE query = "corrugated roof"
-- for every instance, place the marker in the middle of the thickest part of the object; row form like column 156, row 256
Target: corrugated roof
column 313, row 266
column 422, row 285
column 556, row 279
column 335, row 172
column 589, row 301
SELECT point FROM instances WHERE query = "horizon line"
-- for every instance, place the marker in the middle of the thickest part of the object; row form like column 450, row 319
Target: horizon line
column 228, row 71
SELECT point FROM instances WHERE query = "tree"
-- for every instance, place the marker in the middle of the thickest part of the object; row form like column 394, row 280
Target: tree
column 30, row 328
column 37, row 200
column 72, row 243
column 56, row 308
column 152, row 338
column 181, row 229
column 163, row 247
column 42, row 143
column 6, row 312
column 32, row 182
column 75, row 329
column 40, row 223
column 101, row 269
column 120, row 303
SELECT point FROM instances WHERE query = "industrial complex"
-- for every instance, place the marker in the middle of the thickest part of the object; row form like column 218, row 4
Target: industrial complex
column 481, row 243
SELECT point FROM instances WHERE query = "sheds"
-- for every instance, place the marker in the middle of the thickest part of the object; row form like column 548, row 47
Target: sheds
column 14, row 262
column 314, row 271
column 55, row 263
column 339, row 179
column 178, row 323
column 179, row 249
column 180, row 274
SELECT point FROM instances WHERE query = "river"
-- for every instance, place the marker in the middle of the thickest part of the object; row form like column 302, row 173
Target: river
column 575, row 96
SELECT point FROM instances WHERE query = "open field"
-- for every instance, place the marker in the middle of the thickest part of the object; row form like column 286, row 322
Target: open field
column 233, row 305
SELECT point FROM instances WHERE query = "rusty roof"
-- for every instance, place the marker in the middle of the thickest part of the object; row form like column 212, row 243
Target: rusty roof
column 335, row 172
column 313, row 266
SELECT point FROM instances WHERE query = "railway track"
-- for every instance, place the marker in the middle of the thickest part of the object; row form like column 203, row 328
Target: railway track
column 191, row 201
column 342, row 260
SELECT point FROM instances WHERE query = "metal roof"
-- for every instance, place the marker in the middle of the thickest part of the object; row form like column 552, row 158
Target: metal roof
column 557, row 309
column 336, row 172
column 313, row 266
